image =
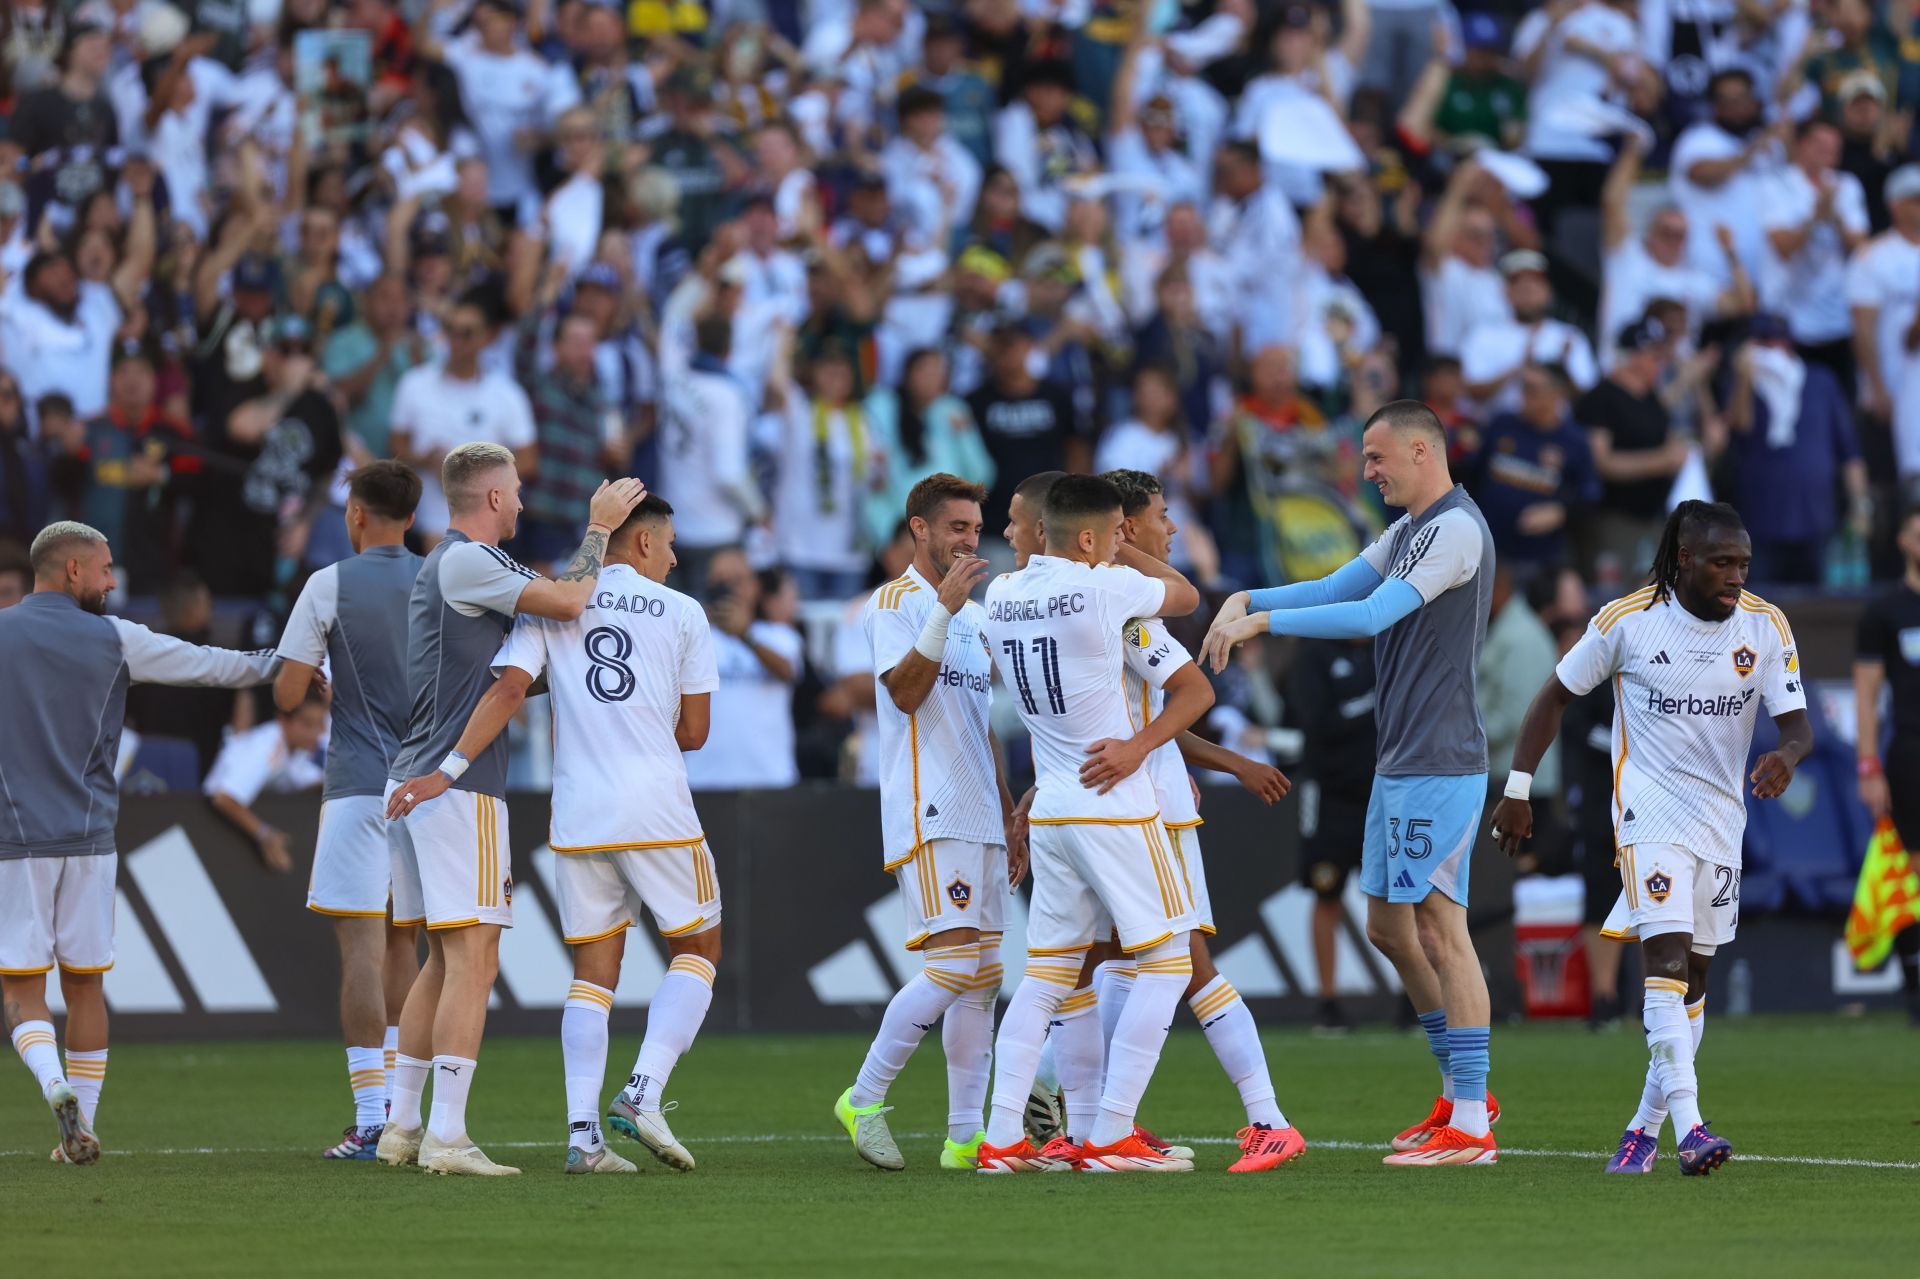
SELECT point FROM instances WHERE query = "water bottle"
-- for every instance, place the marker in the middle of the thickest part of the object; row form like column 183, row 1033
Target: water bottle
column 1740, row 989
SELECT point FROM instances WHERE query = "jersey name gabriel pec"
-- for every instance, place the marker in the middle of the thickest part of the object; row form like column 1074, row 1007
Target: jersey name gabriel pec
column 1036, row 610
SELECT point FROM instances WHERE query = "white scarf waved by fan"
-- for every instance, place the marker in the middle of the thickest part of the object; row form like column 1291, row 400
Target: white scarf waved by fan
column 1778, row 376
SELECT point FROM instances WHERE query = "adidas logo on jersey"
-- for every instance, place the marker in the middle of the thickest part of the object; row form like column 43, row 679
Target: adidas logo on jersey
column 1403, row 880
column 932, row 811
column 1628, row 817
column 1661, row 658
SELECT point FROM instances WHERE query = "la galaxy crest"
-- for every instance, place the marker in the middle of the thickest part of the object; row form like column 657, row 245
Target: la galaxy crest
column 1659, row 886
column 960, row 893
column 1743, row 660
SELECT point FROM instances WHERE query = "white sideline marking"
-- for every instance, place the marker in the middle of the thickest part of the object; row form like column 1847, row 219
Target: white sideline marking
column 736, row 1139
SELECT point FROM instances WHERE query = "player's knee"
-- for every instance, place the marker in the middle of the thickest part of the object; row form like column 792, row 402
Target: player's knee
column 1172, row 958
column 84, row 989
column 1388, row 939
column 954, row 968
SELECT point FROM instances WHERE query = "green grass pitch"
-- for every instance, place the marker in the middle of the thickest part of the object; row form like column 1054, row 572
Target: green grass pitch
column 213, row 1168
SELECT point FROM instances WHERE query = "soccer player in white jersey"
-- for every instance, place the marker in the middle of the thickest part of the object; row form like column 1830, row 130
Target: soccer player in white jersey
column 1099, row 853
column 946, row 820
column 632, row 680
column 1152, row 657
column 1692, row 658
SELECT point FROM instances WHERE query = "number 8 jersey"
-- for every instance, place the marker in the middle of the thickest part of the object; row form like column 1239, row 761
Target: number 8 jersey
column 1055, row 630
column 616, row 676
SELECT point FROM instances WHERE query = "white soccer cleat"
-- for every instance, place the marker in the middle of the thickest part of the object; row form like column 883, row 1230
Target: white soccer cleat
column 78, row 1145
column 459, row 1159
column 1131, row 1154
column 649, row 1128
column 1046, row 1116
column 605, row 1159
column 400, row 1146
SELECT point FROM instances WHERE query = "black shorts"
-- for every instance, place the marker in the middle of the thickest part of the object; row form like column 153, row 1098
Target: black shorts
column 1333, row 826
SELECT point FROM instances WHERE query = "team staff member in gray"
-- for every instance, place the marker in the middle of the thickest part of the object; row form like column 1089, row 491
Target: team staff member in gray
column 64, row 671
column 449, row 868
column 1422, row 589
column 353, row 616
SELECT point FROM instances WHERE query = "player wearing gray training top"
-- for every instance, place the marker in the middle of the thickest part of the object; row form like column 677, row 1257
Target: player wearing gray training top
column 64, row 671
column 353, row 616
column 450, row 869
column 1423, row 590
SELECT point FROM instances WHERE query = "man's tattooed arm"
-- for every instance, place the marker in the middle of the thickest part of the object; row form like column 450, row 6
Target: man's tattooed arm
column 586, row 564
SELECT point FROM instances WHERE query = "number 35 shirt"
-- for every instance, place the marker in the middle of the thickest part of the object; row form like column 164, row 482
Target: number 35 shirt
column 616, row 676
column 1055, row 630
column 1687, row 693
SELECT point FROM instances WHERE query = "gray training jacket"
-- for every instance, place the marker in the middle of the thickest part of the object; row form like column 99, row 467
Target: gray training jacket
column 64, row 674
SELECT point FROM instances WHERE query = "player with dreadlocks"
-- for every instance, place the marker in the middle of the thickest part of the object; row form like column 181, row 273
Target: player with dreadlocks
column 1686, row 653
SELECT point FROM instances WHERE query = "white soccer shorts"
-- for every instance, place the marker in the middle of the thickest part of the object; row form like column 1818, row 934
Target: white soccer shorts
column 601, row 894
column 352, row 862
column 57, row 910
column 451, row 865
column 1667, row 889
column 1087, row 872
column 1184, row 843
column 953, row 883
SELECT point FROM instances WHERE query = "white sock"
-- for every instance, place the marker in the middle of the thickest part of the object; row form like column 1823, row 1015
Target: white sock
column 966, row 1035
column 1046, row 1071
column 1081, row 1052
column 1470, row 1117
column 1670, row 1042
column 35, row 1042
column 583, row 1052
column 452, row 1078
column 1113, row 982
column 389, row 1051
column 1016, row 1049
column 367, row 1076
column 948, row 973
column 1235, row 1040
column 1653, row 1099
column 87, row 1075
column 409, row 1082
column 1163, row 974
column 673, row 1019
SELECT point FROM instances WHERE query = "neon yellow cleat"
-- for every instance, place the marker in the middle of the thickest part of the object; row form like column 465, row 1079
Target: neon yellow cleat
column 867, row 1126
column 962, row 1156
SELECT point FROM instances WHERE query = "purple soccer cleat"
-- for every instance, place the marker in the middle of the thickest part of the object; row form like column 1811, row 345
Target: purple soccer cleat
column 1701, row 1152
column 1637, row 1149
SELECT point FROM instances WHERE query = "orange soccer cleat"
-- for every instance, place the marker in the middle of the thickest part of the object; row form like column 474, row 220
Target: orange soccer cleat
column 1064, row 1153
column 1262, row 1147
column 1445, row 1147
column 1439, row 1117
column 1130, row 1154
column 1019, row 1157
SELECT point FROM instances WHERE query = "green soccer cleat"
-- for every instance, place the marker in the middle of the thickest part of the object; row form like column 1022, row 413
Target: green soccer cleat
column 962, row 1156
column 867, row 1126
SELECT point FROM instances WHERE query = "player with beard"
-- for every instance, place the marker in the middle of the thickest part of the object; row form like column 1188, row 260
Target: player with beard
column 1687, row 653
column 64, row 670
column 946, row 819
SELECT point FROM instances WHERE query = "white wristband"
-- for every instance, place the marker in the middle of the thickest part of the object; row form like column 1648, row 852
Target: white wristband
column 932, row 643
column 454, row 764
column 1519, row 785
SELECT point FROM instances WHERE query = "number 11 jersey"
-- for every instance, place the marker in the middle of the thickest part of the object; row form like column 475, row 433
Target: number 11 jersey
column 1055, row 631
column 615, row 677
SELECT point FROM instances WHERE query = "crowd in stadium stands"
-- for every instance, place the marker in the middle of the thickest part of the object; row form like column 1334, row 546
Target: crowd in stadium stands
column 782, row 258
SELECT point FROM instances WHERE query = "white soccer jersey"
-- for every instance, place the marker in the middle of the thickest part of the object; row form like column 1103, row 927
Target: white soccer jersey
column 1152, row 656
column 616, row 676
column 1685, row 694
column 1055, row 631
column 936, row 765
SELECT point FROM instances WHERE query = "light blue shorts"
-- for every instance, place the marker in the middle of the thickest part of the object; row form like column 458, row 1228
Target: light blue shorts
column 1420, row 833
